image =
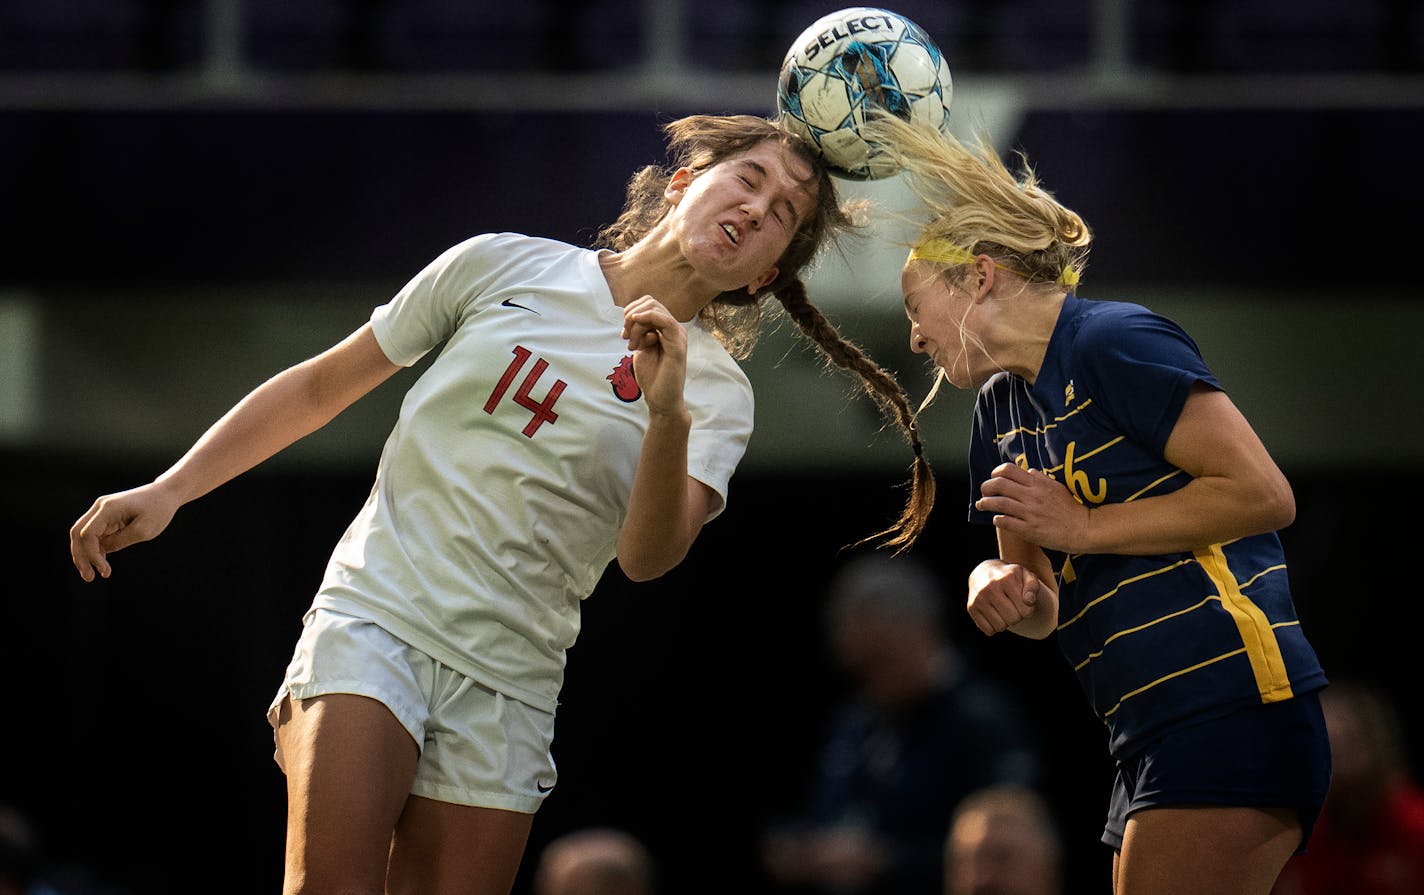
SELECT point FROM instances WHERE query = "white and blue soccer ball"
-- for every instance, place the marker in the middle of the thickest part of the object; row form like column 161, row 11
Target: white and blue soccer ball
column 852, row 61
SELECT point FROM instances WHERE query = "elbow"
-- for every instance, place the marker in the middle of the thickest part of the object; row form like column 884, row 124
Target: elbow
column 642, row 558
column 639, row 572
column 1278, row 505
column 639, row 568
column 1285, row 511
column 636, row 572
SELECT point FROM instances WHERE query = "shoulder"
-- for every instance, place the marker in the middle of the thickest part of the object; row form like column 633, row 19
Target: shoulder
column 1096, row 321
column 1103, row 335
column 1107, row 323
column 707, row 358
column 509, row 247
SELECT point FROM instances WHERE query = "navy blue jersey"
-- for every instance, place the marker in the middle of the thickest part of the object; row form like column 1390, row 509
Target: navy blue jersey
column 1156, row 641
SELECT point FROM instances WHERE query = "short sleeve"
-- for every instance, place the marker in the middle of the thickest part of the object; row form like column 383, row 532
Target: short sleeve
column 719, row 397
column 430, row 307
column 1139, row 366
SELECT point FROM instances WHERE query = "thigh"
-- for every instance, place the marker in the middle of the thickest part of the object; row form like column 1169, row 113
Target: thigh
column 1205, row 850
column 441, row 848
column 1262, row 756
column 349, row 766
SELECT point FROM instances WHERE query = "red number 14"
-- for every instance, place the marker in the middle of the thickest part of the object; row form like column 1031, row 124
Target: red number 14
column 543, row 410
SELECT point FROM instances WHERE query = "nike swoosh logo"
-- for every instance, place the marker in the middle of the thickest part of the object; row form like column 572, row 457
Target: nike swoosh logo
column 541, row 787
column 511, row 303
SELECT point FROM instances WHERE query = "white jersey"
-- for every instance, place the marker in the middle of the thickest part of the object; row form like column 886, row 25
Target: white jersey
column 501, row 490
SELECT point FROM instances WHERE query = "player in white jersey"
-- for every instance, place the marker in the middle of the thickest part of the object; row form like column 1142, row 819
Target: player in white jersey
column 586, row 405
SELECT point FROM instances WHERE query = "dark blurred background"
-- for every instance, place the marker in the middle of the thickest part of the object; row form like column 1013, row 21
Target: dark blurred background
column 197, row 193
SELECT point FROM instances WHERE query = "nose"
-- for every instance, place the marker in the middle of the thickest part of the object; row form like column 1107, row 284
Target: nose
column 918, row 342
column 754, row 212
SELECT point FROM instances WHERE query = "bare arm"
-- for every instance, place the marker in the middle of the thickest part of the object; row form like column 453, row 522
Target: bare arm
column 290, row 405
column 1236, row 490
column 667, row 507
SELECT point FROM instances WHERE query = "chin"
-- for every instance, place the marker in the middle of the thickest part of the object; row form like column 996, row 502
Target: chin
column 958, row 376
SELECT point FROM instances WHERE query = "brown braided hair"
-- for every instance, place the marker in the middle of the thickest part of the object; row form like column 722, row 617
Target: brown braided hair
column 700, row 141
column 888, row 395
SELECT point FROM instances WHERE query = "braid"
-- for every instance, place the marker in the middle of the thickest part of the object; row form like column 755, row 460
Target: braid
column 885, row 390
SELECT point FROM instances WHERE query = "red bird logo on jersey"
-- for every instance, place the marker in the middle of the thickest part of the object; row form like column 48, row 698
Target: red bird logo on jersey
column 625, row 384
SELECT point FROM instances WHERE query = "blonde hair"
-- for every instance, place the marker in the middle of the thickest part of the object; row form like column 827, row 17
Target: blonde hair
column 975, row 203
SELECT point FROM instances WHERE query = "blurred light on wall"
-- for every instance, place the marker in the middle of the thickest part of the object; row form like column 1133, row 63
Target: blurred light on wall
column 19, row 338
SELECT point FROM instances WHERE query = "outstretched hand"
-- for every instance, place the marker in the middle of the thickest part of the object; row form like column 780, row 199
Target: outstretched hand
column 114, row 522
column 659, row 346
column 1033, row 506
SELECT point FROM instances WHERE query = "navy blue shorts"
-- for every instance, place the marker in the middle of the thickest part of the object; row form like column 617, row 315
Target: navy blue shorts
column 1273, row 755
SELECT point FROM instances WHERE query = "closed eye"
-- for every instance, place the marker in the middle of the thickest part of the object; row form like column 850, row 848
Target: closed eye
column 782, row 211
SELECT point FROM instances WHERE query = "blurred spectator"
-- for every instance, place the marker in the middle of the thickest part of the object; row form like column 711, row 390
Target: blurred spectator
column 19, row 863
column 923, row 730
column 595, row 861
column 25, row 871
column 1003, row 841
column 1370, row 836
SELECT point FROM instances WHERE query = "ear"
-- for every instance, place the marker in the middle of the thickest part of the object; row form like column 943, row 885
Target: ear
column 761, row 282
column 677, row 185
column 982, row 279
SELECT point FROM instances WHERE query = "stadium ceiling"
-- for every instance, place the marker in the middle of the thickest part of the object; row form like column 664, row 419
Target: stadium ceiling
column 666, row 82
column 680, row 92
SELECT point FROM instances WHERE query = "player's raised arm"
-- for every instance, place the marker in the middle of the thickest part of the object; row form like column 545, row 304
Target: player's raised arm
column 290, row 405
column 666, row 508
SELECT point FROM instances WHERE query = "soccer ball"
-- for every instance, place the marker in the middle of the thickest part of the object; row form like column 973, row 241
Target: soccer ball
column 852, row 61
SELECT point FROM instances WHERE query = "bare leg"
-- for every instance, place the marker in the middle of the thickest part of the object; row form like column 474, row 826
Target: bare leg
column 1204, row 850
column 445, row 849
column 349, row 767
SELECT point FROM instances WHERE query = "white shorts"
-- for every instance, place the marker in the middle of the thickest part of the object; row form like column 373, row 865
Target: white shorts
column 477, row 746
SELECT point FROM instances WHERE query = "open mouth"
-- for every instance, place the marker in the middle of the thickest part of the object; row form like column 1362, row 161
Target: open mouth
column 731, row 233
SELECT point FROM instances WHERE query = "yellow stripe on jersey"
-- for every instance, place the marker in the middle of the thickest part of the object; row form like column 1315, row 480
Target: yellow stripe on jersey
column 1252, row 580
column 1098, row 449
column 1172, row 474
column 1262, row 648
column 1120, row 585
column 1142, row 627
column 1213, row 598
column 1188, row 670
column 1032, row 431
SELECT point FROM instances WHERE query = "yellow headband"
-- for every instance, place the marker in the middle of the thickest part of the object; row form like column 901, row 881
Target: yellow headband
column 945, row 252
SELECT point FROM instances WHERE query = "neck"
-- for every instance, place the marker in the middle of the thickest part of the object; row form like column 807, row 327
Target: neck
column 645, row 269
column 1025, row 328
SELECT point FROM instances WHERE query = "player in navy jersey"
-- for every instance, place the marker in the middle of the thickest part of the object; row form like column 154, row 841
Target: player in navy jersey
column 585, row 406
column 1136, row 514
